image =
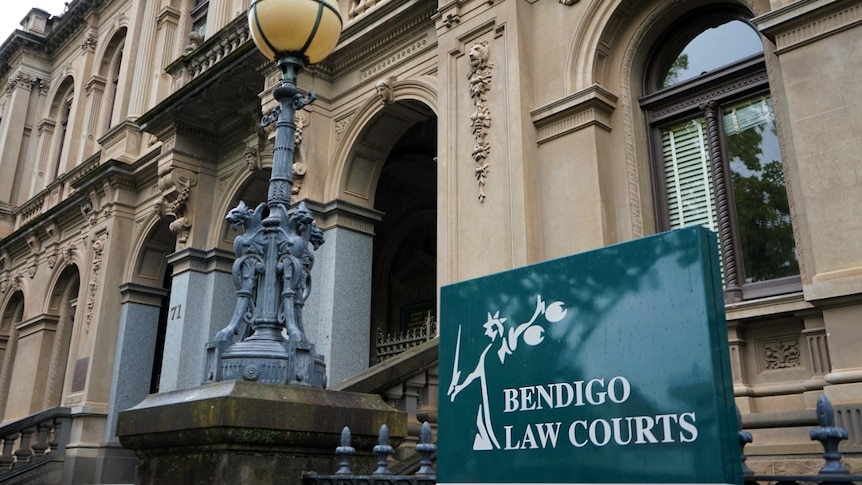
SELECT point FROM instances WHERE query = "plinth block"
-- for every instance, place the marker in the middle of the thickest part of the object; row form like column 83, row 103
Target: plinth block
column 240, row 432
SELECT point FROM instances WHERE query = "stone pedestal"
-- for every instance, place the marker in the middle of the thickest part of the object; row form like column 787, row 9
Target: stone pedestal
column 239, row 432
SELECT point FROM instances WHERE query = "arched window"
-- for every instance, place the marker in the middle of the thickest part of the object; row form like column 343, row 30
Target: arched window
column 111, row 64
column 199, row 17
column 61, row 110
column 716, row 158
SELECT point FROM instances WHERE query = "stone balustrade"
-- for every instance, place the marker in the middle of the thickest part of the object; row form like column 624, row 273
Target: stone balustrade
column 35, row 439
column 360, row 7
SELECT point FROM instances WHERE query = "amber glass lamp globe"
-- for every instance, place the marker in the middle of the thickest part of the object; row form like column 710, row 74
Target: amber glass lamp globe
column 304, row 28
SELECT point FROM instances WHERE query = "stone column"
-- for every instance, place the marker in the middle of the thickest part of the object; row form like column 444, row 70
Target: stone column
column 136, row 346
column 202, row 301
column 338, row 312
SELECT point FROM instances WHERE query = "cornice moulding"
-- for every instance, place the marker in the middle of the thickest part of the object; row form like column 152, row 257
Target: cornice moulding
column 805, row 21
column 591, row 106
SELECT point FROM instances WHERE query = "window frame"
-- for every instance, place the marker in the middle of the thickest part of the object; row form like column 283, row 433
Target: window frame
column 198, row 15
column 690, row 99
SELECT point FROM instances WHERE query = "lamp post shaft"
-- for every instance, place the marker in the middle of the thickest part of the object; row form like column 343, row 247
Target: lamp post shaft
column 289, row 98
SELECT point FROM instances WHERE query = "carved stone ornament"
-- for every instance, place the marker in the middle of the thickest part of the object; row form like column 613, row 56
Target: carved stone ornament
column 451, row 19
column 21, row 80
column 480, row 120
column 175, row 185
column 12, row 284
column 5, row 261
column 781, row 355
column 34, row 243
column 252, row 158
column 341, row 127
column 384, row 90
column 98, row 248
column 87, row 211
column 89, row 42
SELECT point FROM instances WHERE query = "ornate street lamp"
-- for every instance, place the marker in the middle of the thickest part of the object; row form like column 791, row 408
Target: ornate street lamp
column 272, row 270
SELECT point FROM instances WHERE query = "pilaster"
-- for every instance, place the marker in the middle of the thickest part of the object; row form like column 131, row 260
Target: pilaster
column 12, row 127
column 815, row 39
column 30, row 366
column 484, row 177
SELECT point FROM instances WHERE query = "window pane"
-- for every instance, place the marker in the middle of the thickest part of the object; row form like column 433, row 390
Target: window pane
column 762, row 208
column 711, row 49
column 688, row 176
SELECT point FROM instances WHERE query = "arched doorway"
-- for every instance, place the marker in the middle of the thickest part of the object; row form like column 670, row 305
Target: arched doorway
column 12, row 314
column 62, row 305
column 404, row 284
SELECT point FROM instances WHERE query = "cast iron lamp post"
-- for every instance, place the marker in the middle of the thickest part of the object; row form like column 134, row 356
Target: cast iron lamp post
column 272, row 270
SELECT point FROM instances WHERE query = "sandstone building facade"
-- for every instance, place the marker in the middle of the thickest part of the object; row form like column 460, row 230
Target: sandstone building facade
column 450, row 139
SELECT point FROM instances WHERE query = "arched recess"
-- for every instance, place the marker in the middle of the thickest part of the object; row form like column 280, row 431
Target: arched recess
column 358, row 159
column 625, row 29
column 384, row 149
column 62, row 306
column 251, row 188
column 13, row 313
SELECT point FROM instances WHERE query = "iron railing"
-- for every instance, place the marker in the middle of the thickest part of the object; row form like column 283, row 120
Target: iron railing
column 424, row 475
column 389, row 345
column 833, row 471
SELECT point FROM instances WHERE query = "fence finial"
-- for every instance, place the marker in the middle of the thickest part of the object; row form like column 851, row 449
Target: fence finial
column 344, row 452
column 744, row 439
column 383, row 450
column 425, row 449
column 829, row 436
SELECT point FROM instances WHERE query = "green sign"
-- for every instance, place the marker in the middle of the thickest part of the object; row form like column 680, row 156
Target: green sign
column 604, row 367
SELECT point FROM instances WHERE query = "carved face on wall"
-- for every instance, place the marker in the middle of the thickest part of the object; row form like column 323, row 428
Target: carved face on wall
column 478, row 54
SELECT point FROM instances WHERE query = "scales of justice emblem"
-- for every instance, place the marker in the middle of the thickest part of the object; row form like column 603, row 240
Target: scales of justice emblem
column 531, row 332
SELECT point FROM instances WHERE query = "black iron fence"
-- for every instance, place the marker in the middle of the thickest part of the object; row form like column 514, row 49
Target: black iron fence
column 829, row 436
column 424, row 475
column 833, row 471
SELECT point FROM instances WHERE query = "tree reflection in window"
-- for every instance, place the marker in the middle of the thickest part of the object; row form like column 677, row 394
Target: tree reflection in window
column 757, row 177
